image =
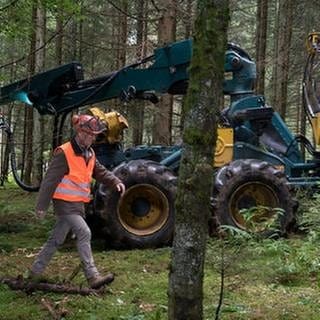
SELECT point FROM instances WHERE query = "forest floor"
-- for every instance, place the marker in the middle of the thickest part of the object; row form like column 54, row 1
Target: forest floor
column 266, row 279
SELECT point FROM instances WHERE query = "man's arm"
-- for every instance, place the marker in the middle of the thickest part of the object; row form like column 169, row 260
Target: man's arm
column 57, row 169
column 102, row 175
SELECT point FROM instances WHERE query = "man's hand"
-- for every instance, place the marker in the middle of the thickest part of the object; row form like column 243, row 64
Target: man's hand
column 121, row 188
column 40, row 214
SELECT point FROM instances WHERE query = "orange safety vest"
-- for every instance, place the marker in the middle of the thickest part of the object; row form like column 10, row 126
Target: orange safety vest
column 75, row 186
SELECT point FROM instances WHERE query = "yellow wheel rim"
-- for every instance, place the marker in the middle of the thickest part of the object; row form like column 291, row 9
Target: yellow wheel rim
column 143, row 209
column 253, row 206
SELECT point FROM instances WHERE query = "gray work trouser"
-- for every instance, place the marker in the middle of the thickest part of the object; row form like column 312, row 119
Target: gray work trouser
column 64, row 224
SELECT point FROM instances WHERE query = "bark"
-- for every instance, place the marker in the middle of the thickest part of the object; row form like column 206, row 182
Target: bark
column 261, row 44
column 163, row 113
column 282, row 61
column 196, row 171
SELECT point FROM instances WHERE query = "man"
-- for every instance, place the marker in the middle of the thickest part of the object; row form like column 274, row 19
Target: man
column 67, row 183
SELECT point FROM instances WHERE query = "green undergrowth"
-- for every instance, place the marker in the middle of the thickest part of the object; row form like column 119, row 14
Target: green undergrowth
column 264, row 279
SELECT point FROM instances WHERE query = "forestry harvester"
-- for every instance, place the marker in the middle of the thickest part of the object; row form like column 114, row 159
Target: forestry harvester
column 258, row 161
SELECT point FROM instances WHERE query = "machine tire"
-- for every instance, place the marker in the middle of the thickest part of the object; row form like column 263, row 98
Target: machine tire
column 244, row 184
column 144, row 216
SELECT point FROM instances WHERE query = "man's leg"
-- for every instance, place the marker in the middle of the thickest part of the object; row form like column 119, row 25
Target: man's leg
column 55, row 240
column 83, row 236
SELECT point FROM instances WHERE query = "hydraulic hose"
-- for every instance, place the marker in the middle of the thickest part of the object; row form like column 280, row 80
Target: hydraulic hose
column 4, row 125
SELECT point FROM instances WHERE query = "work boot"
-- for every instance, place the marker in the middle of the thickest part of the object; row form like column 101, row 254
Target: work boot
column 36, row 277
column 99, row 281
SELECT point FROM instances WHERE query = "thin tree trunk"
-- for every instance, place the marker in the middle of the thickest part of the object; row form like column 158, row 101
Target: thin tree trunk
column 189, row 19
column 282, row 62
column 163, row 114
column 122, row 43
column 38, row 137
column 72, row 43
column 195, row 176
column 137, row 110
column 261, row 44
column 124, row 34
column 81, row 32
column 188, row 32
column 5, row 154
column 59, row 37
column 28, row 137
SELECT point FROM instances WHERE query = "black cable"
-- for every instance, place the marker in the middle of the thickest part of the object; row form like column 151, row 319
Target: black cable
column 107, row 81
column 13, row 162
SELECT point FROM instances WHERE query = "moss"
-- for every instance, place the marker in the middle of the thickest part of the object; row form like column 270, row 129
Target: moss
column 195, row 137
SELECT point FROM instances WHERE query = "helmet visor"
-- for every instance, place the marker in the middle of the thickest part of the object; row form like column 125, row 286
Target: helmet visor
column 93, row 126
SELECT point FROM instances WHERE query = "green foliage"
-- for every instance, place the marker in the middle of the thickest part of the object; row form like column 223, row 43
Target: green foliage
column 261, row 218
column 235, row 235
column 68, row 6
column 264, row 278
column 309, row 208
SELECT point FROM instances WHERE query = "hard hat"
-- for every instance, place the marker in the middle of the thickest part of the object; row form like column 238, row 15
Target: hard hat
column 88, row 124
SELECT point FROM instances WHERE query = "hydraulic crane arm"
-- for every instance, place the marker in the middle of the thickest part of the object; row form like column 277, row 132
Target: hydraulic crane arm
column 63, row 89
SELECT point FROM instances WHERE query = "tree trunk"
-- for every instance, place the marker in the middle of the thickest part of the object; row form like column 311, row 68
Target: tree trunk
column 163, row 113
column 282, row 61
column 81, row 32
column 38, row 127
column 137, row 111
column 121, row 43
column 261, row 44
column 196, row 171
column 72, row 54
column 59, row 37
column 123, row 34
column 28, row 125
column 189, row 19
column 5, row 147
column 188, row 32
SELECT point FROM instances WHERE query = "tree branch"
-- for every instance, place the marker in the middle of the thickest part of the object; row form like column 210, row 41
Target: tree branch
column 12, row 3
column 38, row 49
column 20, row 284
column 122, row 11
column 155, row 6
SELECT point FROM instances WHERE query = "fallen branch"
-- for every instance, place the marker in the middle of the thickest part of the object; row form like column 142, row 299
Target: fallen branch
column 50, row 308
column 28, row 286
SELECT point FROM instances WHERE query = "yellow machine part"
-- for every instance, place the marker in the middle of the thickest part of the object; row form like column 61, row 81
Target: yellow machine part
column 224, row 147
column 115, row 122
column 315, row 122
column 313, row 42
